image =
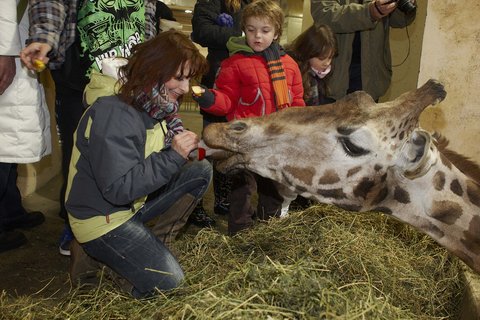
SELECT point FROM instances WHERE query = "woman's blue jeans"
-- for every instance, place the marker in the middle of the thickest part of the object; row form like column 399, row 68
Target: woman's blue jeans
column 134, row 252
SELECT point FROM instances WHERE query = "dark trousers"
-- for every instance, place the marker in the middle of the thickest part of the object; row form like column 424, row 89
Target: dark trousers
column 221, row 182
column 244, row 186
column 11, row 207
column 69, row 109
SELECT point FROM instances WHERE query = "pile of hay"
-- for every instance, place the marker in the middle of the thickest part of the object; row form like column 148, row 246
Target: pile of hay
column 322, row 263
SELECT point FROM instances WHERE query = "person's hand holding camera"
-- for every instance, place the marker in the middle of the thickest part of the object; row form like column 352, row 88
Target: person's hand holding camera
column 382, row 8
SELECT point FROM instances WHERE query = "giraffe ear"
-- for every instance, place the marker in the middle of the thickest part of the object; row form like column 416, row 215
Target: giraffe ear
column 415, row 155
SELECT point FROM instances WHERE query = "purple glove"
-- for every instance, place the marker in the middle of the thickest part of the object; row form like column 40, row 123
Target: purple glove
column 224, row 20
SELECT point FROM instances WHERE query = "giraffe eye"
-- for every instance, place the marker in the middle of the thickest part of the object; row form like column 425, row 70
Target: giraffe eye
column 351, row 149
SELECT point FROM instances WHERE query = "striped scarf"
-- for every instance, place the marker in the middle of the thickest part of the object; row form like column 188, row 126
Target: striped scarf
column 277, row 75
column 157, row 105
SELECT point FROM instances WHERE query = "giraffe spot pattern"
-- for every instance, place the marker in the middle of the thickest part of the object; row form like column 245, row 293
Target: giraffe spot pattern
column 383, row 178
column 456, row 187
column 434, row 230
column 363, row 188
column 329, row 177
column 401, row 195
column 303, row 174
column 471, row 238
column 332, row 193
column 473, row 192
column 353, row 171
column 382, row 194
column 446, row 211
column 439, row 180
column 274, row 129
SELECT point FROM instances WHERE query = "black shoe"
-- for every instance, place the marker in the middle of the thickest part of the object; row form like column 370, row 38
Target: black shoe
column 300, row 204
column 221, row 209
column 27, row 221
column 200, row 218
column 11, row 240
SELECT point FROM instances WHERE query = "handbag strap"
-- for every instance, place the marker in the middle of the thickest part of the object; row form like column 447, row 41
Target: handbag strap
column 21, row 7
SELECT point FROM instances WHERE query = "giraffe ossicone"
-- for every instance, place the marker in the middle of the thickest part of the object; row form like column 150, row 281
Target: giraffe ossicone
column 362, row 156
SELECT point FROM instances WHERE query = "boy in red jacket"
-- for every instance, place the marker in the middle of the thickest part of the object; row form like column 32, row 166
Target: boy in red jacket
column 257, row 79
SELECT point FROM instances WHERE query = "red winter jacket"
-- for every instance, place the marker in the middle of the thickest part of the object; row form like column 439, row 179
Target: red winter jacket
column 244, row 89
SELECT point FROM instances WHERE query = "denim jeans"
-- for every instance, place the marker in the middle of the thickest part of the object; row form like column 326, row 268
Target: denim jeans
column 134, row 252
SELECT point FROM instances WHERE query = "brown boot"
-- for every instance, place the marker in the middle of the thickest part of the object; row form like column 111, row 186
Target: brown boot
column 83, row 268
column 170, row 222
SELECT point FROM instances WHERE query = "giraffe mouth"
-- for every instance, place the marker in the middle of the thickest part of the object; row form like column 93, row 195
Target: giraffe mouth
column 226, row 161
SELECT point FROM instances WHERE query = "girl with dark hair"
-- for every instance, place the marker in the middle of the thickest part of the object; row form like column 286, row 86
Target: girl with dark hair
column 314, row 50
column 130, row 165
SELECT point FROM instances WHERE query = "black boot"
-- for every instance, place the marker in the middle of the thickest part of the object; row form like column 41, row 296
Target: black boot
column 11, row 240
column 200, row 218
column 26, row 221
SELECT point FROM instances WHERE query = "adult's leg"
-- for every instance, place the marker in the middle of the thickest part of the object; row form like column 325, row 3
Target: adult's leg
column 69, row 109
column 13, row 239
column 137, row 255
column 241, row 211
column 14, row 214
column 172, row 204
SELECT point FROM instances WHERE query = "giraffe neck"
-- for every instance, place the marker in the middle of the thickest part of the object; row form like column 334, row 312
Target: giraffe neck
column 443, row 203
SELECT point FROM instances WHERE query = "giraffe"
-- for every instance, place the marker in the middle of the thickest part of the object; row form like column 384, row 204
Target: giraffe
column 362, row 156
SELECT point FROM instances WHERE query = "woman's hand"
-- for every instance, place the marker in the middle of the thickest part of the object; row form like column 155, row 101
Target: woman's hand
column 184, row 142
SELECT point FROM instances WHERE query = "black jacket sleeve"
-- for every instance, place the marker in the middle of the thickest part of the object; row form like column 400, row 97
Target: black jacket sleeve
column 205, row 31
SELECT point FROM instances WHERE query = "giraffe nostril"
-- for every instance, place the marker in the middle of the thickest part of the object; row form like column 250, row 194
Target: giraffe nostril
column 238, row 126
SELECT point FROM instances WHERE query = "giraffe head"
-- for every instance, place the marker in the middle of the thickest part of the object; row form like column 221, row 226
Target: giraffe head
column 361, row 156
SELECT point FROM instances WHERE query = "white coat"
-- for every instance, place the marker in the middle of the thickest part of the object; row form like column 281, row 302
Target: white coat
column 24, row 118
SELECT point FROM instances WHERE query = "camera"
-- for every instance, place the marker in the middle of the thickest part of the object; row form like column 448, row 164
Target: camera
column 405, row 6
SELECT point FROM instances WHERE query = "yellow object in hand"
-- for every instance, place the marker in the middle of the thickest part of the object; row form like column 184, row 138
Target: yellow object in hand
column 39, row 65
column 197, row 90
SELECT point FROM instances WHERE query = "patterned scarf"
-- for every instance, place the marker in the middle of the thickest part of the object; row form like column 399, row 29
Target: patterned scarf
column 277, row 75
column 157, row 105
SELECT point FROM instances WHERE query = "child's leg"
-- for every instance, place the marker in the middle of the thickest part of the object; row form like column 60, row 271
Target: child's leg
column 241, row 211
column 222, row 185
column 269, row 200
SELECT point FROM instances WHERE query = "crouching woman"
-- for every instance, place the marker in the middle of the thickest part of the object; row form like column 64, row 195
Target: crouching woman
column 130, row 166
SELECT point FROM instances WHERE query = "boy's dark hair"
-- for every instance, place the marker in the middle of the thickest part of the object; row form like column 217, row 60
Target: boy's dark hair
column 265, row 9
column 157, row 61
